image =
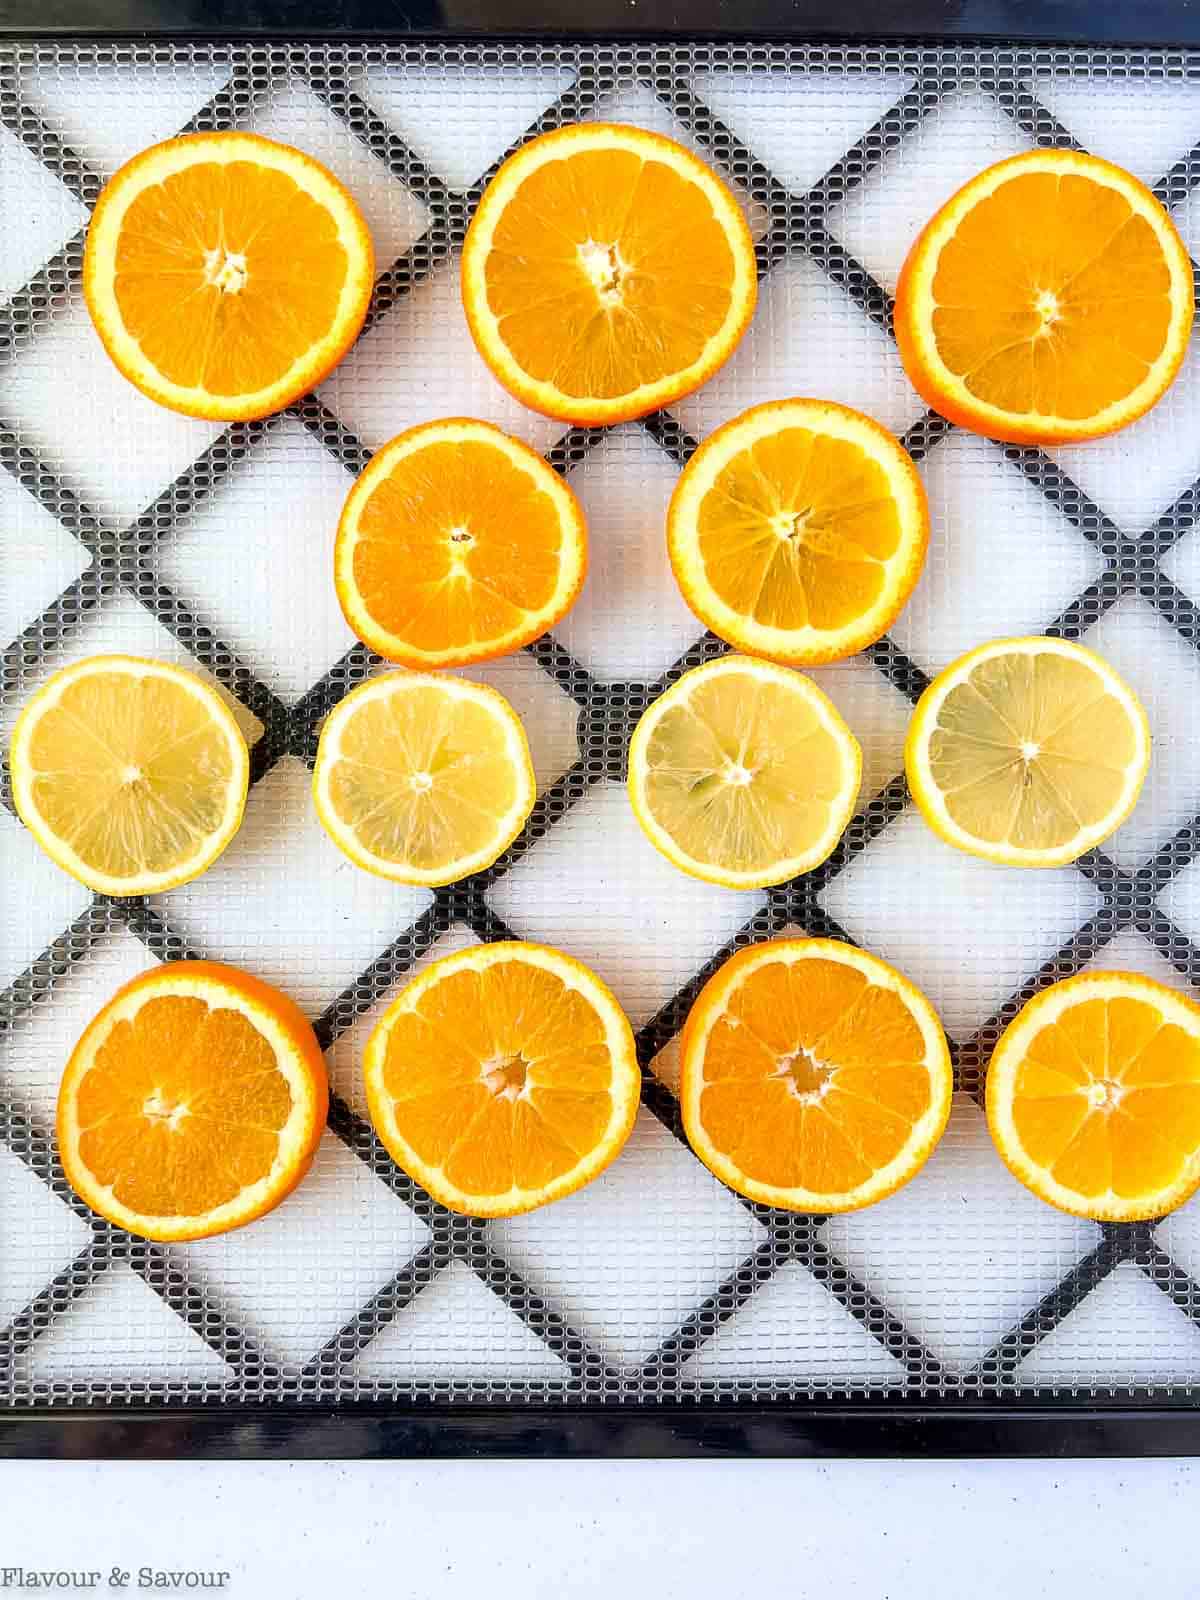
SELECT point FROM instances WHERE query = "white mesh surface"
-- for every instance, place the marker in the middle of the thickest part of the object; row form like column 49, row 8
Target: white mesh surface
column 123, row 527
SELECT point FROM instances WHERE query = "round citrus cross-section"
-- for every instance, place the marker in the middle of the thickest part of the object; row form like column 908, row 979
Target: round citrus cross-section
column 1093, row 1096
column 423, row 779
column 607, row 272
column 456, row 544
column 1027, row 752
column 815, row 1077
column 226, row 274
column 193, row 1103
column 1049, row 300
column 503, row 1077
column 798, row 530
column 743, row 773
column 130, row 774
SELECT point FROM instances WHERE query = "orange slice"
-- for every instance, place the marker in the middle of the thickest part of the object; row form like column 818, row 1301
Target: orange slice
column 456, row 544
column 606, row 272
column 226, row 274
column 1093, row 1096
column 1049, row 300
column 743, row 773
column 193, row 1103
column 504, row 1077
column 814, row 1076
column 130, row 774
column 798, row 530
column 423, row 779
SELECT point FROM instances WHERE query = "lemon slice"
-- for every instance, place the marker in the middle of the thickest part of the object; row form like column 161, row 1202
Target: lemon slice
column 798, row 530
column 743, row 773
column 1027, row 752
column 423, row 779
column 131, row 774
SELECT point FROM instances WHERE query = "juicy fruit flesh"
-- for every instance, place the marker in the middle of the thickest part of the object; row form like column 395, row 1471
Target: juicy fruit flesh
column 813, row 1077
column 182, row 1108
column 1029, row 749
column 608, row 271
column 456, row 544
column 1107, row 1098
column 226, row 273
column 422, row 777
column 131, row 772
column 500, row 1077
column 742, row 773
column 1053, row 296
column 797, row 529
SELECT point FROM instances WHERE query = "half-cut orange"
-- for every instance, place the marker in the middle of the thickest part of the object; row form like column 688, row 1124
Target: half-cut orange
column 1049, row 300
column 815, row 1077
column 502, row 1078
column 226, row 274
column 606, row 272
column 1093, row 1096
column 798, row 530
column 193, row 1103
column 456, row 544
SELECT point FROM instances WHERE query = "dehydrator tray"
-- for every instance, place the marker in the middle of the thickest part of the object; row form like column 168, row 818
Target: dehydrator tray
column 654, row 1312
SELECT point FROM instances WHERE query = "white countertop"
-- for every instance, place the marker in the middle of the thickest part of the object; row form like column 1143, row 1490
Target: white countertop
column 619, row 1529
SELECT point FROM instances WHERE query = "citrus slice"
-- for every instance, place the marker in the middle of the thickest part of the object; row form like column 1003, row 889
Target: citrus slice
column 193, row 1103
column 606, row 272
column 1093, row 1096
column 1027, row 752
column 798, row 530
column 130, row 774
column 503, row 1077
column 423, row 779
column 1049, row 300
column 814, row 1077
column 226, row 274
column 743, row 773
column 456, row 544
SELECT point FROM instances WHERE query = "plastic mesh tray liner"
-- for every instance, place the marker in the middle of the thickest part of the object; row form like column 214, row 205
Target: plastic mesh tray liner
column 123, row 527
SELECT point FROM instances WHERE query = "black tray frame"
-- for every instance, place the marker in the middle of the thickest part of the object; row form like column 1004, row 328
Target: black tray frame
column 1026, row 1427
column 1097, row 22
